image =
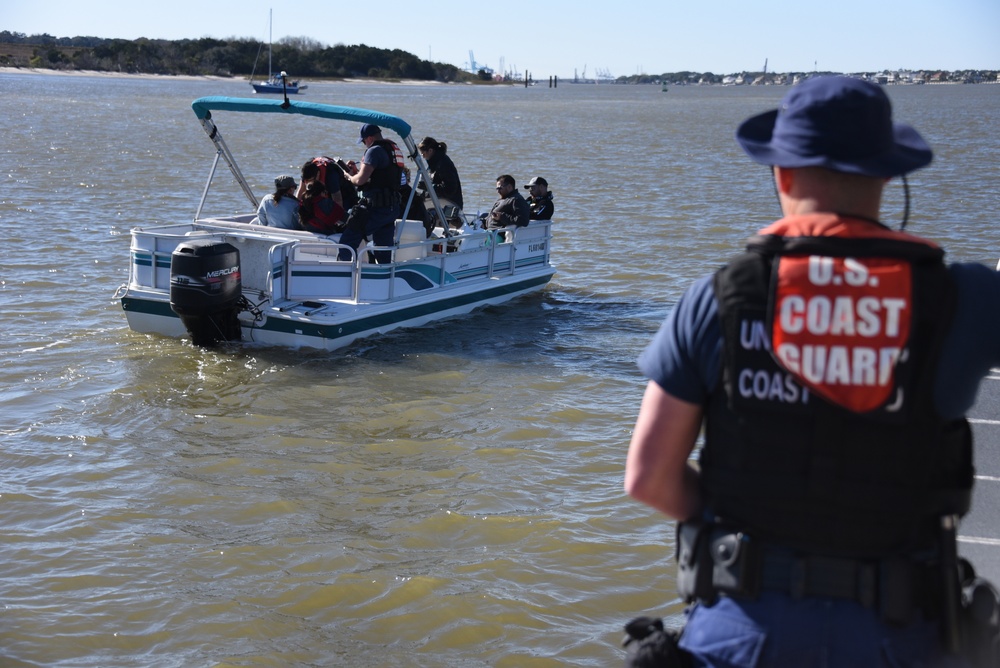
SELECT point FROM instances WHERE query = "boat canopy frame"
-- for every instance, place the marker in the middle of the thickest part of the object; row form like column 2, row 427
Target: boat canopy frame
column 204, row 106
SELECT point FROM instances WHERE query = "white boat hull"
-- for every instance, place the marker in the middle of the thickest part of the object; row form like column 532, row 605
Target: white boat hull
column 285, row 274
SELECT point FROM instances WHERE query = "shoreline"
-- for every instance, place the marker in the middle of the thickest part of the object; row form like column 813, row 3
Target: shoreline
column 43, row 71
column 197, row 77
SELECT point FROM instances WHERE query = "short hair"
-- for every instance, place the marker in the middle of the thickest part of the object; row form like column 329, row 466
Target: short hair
column 310, row 170
column 507, row 180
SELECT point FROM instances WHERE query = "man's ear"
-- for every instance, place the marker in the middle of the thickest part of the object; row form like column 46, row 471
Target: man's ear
column 784, row 178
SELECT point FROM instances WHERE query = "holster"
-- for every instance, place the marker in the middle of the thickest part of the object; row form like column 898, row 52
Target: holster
column 715, row 559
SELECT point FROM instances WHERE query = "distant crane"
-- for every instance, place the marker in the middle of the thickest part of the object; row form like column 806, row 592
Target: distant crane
column 475, row 67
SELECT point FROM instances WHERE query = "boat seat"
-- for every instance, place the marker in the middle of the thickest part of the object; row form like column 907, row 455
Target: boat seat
column 412, row 232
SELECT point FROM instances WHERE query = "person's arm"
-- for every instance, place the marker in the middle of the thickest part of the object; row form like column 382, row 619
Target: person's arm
column 361, row 177
column 446, row 180
column 262, row 212
column 334, row 185
column 545, row 209
column 522, row 212
column 497, row 213
column 657, row 470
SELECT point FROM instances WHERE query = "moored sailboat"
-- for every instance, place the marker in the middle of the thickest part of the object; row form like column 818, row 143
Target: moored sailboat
column 276, row 82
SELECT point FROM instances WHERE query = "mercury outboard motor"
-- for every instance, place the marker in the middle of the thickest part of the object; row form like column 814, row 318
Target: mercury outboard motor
column 205, row 290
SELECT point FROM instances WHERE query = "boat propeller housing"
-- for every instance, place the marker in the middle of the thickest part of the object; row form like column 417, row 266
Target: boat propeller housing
column 205, row 290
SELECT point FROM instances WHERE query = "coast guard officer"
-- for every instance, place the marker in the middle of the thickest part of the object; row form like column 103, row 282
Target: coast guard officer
column 831, row 366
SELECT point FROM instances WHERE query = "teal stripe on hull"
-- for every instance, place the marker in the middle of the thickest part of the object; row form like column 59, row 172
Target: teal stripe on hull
column 360, row 325
column 146, row 260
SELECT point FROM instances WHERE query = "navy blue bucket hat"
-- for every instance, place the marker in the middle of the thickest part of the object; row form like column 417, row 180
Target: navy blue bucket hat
column 839, row 123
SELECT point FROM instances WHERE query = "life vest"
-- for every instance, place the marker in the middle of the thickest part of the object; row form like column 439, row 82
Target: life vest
column 392, row 148
column 330, row 175
column 388, row 178
column 822, row 434
column 324, row 163
column 320, row 214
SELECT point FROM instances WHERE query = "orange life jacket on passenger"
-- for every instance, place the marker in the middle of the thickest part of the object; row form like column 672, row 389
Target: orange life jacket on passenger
column 328, row 167
column 319, row 213
column 322, row 163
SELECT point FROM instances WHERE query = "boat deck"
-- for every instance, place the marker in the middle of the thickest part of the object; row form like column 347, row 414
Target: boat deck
column 979, row 533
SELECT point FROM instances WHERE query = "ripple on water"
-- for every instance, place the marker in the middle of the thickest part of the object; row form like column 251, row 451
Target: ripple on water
column 448, row 496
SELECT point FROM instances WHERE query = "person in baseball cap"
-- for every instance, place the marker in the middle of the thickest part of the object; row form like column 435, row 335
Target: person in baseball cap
column 539, row 199
column 280, row 209
column 369, row 130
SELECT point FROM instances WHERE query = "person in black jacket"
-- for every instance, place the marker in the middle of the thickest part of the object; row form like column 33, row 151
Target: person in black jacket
column 444, row 174
column 539, row 199
column 510, row 209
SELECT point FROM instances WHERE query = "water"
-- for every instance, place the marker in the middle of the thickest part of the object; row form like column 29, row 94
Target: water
column 448, row 496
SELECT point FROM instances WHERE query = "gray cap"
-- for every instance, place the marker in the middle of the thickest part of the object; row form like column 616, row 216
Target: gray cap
column 284, row 182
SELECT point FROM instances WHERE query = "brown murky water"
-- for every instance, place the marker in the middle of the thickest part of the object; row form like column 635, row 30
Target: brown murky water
column 448, row 496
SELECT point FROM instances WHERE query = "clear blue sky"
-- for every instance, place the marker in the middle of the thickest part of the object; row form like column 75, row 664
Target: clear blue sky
column 560, row 37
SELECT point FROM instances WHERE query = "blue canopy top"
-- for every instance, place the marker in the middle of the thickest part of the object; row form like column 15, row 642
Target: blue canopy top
column 204, row 105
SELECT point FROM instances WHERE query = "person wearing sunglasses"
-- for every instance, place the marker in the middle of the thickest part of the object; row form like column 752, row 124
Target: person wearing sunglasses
column 510, row 209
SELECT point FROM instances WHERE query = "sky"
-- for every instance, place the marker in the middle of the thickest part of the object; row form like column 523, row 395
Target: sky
column 566, row 38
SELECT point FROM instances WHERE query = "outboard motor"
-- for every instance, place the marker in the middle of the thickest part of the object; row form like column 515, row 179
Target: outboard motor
column 205, row 290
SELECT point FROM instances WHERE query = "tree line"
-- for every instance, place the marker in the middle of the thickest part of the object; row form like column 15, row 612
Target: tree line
column 299, row 56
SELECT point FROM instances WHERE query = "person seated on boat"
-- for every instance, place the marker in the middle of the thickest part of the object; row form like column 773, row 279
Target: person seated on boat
column 539, row 199
column 280, row 209
column 326, row 171
column 510, row 209
column 444, row 177
column 378, row 181
column 319, row 212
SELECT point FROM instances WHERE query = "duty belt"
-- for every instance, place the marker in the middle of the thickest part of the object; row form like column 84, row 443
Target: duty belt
column 714, row 560
column 379, row 198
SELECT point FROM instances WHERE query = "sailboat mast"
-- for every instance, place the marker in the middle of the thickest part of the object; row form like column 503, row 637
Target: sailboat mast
column 270, row 24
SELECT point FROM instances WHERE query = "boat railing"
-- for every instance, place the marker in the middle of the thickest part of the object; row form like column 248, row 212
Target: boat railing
column 315, row 271
column 294, row 265
column 473, row 254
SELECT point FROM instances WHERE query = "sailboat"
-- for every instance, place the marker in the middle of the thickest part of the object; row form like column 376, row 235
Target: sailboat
column 276, row 83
